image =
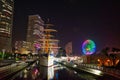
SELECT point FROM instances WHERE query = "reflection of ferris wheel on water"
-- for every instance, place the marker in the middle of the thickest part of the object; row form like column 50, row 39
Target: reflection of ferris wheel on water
column 88, row 47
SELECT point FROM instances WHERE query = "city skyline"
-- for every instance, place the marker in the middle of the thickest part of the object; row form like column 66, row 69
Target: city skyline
column 75, row 21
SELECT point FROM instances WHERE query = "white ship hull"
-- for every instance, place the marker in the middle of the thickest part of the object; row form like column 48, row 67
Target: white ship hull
column 47, row 60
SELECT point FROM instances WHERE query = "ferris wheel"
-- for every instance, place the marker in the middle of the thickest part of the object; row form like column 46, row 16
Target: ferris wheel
column 88, row 47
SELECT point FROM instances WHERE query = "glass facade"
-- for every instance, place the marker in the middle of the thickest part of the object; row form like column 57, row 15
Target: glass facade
column 6, row 23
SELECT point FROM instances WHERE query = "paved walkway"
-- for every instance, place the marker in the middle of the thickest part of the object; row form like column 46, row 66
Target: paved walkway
column 6, row 62
column 111, row 71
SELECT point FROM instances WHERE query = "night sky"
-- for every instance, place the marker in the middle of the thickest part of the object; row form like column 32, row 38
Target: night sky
column 75, row 20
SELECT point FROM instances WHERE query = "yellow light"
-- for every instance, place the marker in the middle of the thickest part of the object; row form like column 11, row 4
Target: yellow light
column 98, row 60
column 108, row 60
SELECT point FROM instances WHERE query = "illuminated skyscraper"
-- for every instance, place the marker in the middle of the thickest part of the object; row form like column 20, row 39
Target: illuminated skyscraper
column 6, row 23
column 35, row 30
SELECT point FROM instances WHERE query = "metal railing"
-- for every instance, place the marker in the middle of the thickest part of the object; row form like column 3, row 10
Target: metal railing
column 110, row 71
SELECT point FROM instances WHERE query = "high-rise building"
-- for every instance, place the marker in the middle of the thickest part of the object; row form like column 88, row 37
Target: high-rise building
column 6, row 23
column 35, row 30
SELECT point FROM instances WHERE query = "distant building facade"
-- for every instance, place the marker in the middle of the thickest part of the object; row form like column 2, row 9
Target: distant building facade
column 22, row 47
column 6, row 23
column 68, row 48
column 35, row 30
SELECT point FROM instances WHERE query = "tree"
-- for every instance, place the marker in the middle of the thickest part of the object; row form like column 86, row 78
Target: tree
column 111, row 56
column 114, row 56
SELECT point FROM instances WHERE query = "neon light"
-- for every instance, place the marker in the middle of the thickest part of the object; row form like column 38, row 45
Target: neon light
column 37, row 45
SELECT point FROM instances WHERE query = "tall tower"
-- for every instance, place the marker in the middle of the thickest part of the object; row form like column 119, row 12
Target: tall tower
column 35, row 30
column 6, row 23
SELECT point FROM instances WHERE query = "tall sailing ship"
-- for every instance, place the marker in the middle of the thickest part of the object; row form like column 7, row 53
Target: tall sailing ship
column 49, row 46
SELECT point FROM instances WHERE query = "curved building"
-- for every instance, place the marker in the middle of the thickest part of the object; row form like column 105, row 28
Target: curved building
column 34, row 31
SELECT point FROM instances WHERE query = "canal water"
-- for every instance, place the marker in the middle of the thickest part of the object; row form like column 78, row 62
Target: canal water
column 56, row 72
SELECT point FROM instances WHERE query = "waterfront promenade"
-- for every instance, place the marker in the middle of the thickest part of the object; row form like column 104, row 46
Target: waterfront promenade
column 93, row 68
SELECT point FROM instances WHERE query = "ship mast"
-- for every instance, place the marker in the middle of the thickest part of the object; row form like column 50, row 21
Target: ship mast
column 47, row 38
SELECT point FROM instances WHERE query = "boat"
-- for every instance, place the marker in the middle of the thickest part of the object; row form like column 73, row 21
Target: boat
column 49, row 46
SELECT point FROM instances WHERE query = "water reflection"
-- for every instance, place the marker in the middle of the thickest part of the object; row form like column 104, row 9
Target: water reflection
column 56, row 72
column 40, row 73
column 35, row 73
column 25, row 73
column 47, row 73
